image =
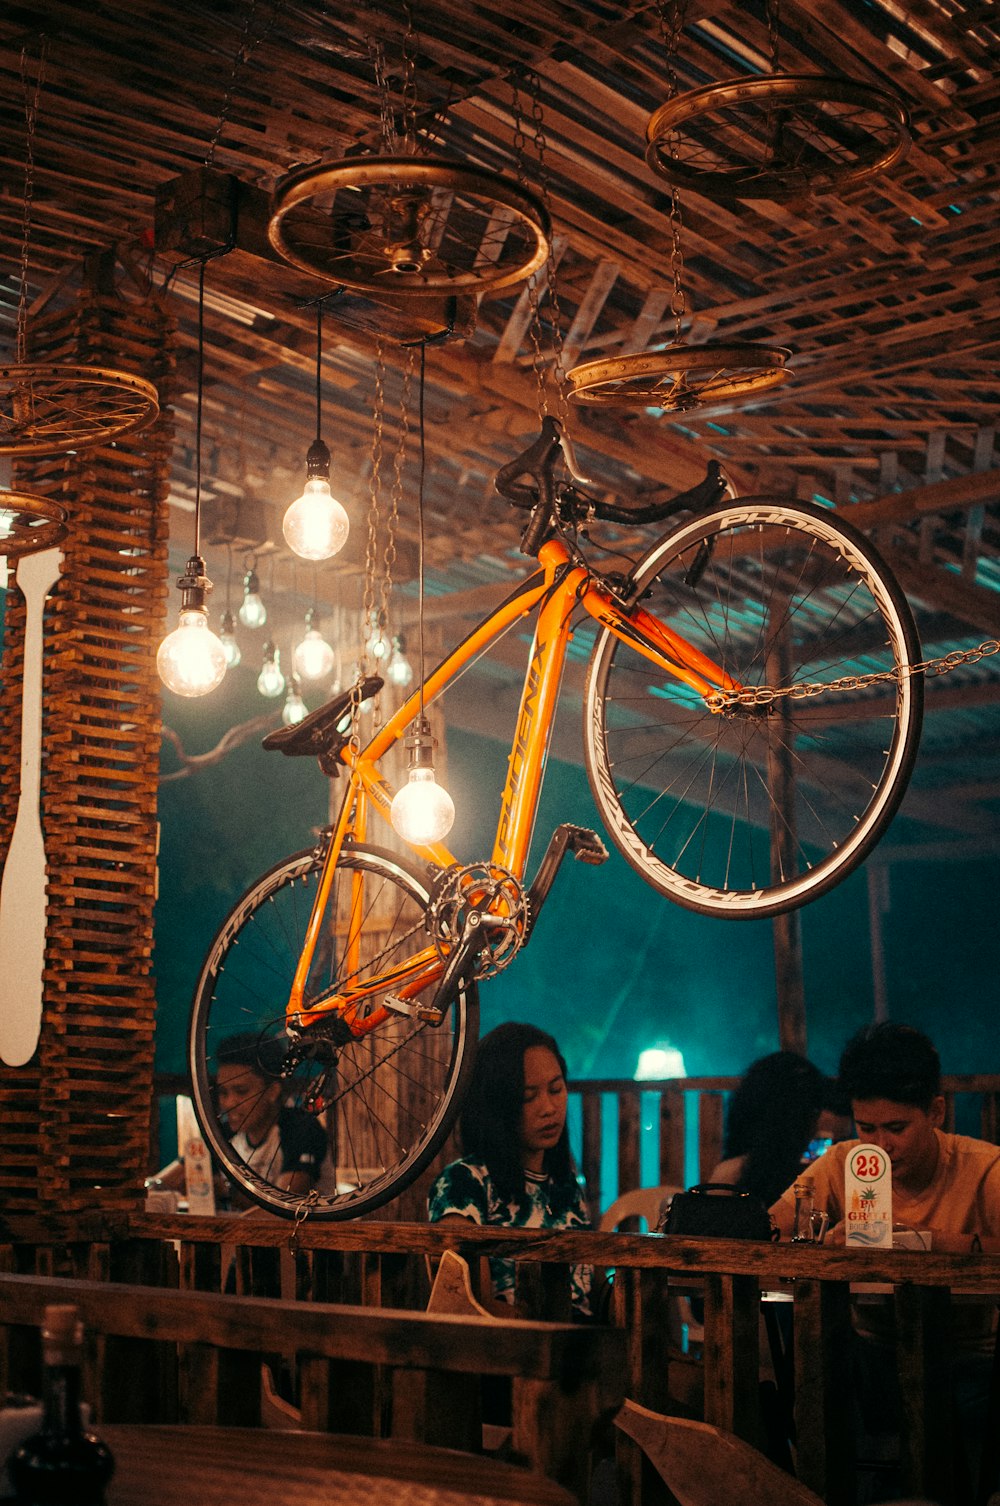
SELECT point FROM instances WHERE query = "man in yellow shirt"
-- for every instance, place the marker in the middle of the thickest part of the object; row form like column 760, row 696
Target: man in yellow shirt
column 945, row 1186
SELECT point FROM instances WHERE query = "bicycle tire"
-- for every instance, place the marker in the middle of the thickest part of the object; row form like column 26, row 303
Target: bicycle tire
column 691, row 798
column 386, row 1103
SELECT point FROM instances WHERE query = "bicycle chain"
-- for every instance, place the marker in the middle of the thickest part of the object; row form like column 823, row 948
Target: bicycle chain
column 767, row 695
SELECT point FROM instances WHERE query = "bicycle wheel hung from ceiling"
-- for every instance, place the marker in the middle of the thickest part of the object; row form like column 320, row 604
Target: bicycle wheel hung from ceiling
column 679, row 377
column 409, row 225
column 776, row 135
column 45, row 409
column 29, row 524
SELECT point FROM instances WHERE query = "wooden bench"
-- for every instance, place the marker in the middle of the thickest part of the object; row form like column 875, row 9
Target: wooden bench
column 162, row 1355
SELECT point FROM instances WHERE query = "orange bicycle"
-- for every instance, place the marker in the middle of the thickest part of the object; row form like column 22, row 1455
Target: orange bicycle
column 750, row 725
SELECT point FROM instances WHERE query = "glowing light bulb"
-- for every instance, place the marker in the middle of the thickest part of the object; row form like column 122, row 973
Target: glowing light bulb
column 399, row 670
column 252, row 613
column 227, row 638
column 316, row 525
column 422, row 811
column 295, row 708
column 191, row 660
column 270, row 681
column 313, row 658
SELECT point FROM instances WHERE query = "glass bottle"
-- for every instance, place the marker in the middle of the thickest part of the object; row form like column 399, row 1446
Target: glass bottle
column 802, row 1231
column 62, row 1465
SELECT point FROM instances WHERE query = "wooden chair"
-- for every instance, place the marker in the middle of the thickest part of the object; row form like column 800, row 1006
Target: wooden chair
column 703, row 1466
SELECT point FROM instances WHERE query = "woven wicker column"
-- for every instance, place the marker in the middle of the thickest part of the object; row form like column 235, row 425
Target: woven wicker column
column 76, row 1116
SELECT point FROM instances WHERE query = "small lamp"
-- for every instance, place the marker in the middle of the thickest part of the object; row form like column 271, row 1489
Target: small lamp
column 270, row 681
column 313, row 658
column 316, row 525
column 422, row 810
column 253, row 612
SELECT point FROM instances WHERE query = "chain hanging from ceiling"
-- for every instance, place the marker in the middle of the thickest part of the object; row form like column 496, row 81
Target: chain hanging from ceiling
column 776, row 135
column 45, row 408
column 542, row 286
column 402, row 222
column 679, row 377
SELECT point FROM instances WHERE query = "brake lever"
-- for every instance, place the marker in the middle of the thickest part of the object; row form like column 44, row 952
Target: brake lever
column 569, row 456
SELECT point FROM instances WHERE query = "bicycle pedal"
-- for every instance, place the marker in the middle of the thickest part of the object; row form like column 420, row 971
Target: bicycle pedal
column 587, row 847
column 425, row 1013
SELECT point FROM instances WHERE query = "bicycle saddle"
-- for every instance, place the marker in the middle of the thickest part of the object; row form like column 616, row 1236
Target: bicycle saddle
column 321, row 732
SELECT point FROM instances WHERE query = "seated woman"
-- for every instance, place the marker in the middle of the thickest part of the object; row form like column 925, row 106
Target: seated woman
column 516, row 1170
column 772, row 1120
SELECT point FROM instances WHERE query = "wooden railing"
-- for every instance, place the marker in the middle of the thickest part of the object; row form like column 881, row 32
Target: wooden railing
column 379, row 1264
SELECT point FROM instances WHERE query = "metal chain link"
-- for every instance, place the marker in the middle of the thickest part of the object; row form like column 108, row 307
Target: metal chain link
column 773, row 17
column 540, row 284
column 767, row 695
column 395, row 498
column 244, row 53
column 31, row 98
column 368, row 608
column 672, row 18
column 376, row 51
column 409, row 85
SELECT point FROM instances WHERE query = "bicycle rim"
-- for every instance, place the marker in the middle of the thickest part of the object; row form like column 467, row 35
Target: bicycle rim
column 759, row 809
column 384, row 1103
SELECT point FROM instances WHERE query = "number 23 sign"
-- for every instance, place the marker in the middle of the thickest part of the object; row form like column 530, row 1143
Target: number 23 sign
column 868, row 1197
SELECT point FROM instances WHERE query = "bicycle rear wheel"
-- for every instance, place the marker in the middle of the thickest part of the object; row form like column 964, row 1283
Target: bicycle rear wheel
column 757, row 809
column 385, row 1103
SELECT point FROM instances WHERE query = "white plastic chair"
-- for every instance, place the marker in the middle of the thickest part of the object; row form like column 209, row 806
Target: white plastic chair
column 642, row 1202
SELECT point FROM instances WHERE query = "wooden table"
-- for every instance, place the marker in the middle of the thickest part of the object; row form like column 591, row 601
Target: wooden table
column 191, row 1466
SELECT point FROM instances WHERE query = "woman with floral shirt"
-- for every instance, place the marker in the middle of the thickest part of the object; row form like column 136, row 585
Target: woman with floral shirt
column 516, row 1171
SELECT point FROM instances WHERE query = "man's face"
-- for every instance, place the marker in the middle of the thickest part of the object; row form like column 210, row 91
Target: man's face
column 905, row 1133
column 248, row 1099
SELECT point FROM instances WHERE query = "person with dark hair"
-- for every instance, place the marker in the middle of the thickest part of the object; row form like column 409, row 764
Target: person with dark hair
column 770, row 1124
column 265, row 1132
column 945, row 1185
column 516, row 1169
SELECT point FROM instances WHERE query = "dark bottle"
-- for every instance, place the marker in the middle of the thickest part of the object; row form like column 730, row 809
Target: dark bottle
column 62, row 1465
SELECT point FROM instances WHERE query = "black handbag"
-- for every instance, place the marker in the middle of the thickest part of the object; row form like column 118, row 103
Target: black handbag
column 717, row 1210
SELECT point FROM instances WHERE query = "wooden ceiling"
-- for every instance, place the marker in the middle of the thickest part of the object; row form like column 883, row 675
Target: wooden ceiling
column 887, row 294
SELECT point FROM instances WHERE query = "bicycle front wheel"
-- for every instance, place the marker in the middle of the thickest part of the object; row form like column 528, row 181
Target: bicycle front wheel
column 758, row 808
column 370, row 1111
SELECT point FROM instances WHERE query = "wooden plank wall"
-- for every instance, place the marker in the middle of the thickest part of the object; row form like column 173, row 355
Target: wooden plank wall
column 76, row 1116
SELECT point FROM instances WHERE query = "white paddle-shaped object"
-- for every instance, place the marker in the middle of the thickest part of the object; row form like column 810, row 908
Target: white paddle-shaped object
column 23, row 886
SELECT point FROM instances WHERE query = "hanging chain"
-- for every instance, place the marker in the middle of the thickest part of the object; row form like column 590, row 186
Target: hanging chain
column 369, row 611
column 767, row 695
column 773, row 16
column 376, row 51
column 396, row 493
column 31, row 97
column 537, row 284
column 672, row 19
column 245, row 51
column 409, row 85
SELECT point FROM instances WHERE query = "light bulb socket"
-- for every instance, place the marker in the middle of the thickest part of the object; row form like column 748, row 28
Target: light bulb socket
column 312, row 617
column 228, row 623
column 420, row 744
column 194, row 584
column 251, row 583
column 268, row 652
column 317, row 460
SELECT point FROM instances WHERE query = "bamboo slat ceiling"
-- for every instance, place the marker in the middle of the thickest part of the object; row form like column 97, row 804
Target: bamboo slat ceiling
column 887, row 294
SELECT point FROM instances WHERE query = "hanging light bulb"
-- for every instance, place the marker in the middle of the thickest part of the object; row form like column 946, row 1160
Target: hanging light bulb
column 227, row 638
column 270, row 681
column 316, row 525
column 253, row 612
column 295, row 708
column 422, row 810
column 313, row 658
column 192, row 660
column 399, row 670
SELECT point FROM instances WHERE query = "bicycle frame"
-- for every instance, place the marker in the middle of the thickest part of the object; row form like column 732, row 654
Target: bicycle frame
column 556, row 591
